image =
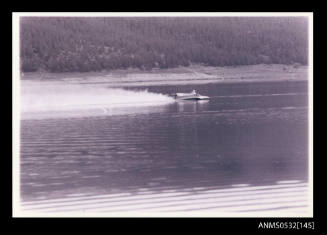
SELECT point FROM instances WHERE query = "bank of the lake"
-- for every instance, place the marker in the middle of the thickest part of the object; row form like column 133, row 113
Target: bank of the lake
column 195, row 74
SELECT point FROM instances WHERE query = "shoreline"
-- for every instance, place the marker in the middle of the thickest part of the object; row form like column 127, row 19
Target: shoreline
column 195, row 74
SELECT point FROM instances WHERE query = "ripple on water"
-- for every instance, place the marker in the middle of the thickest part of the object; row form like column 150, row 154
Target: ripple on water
column 288, row 181
column 254, row 199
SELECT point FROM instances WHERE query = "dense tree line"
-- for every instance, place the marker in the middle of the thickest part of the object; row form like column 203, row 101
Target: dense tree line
column 68, row 44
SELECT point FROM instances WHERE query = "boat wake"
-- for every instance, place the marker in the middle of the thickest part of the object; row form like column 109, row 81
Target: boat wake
column 62, row 98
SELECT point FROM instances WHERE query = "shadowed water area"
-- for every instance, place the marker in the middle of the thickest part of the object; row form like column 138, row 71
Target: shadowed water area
column 249, row 139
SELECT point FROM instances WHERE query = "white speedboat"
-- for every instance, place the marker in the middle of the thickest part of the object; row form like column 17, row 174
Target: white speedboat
column 190, row 96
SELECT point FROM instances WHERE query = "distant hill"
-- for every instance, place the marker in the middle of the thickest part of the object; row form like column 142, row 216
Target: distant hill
column 70, row 44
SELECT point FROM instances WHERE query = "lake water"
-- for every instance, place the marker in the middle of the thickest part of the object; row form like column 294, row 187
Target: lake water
column 244, row 150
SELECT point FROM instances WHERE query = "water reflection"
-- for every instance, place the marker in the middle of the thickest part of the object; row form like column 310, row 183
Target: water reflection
column 192, row 106
column 120, row 152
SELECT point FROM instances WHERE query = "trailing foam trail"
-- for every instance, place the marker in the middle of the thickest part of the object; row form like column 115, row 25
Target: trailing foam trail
column 42, row 100
column 62, row 96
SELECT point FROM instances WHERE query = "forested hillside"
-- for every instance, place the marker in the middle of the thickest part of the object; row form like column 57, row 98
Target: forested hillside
column 69, row 44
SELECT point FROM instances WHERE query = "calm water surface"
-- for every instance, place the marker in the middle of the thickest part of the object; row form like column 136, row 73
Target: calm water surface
column 247, row 135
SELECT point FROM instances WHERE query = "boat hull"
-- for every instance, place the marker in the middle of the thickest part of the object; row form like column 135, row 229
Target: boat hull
column 193, row 98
